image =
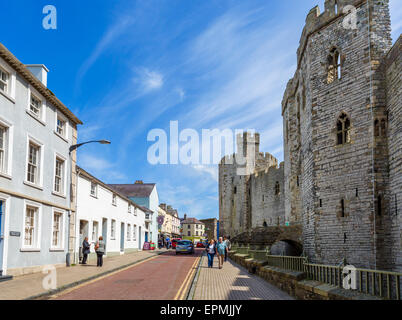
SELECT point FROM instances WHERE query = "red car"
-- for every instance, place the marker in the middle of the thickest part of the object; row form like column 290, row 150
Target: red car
column 174, row 242
column 200, row 245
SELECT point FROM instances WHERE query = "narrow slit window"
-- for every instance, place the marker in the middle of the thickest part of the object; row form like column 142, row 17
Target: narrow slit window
column 343, row 208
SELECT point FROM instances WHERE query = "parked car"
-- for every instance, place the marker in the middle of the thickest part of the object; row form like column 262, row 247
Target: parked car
column 200, row 245
column 184, row 246
column 174, row 242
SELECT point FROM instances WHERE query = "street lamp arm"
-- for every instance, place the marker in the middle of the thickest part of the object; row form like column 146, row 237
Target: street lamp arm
column 75, row 146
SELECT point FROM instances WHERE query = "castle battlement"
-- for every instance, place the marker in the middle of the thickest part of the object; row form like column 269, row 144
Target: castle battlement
column 315, row 21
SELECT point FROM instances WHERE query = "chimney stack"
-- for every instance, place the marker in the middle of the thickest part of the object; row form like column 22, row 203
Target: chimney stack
column 185, row 216
column 139, row 182
column 39, row 71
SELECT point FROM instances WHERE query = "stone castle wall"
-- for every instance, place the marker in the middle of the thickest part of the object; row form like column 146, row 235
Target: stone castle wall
column 393, row 66
column 247, row 190
column 346, row 196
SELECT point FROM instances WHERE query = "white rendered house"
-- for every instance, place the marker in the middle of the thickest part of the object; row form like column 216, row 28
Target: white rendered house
column 103, row 211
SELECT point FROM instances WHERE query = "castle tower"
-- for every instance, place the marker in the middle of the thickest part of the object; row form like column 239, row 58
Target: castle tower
column 335, row 168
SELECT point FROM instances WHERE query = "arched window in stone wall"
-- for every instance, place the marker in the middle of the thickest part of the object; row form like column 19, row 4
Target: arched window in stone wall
column 343, row 129
column 334, row 66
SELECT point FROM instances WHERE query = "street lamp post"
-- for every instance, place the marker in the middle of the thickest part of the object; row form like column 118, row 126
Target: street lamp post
column 71, row 149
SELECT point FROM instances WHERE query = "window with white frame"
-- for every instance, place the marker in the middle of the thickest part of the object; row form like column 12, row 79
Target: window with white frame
column 31, row 227
column 33, row 163
column 57, row 230
column 135, row 211
column 95, row 231
column 135, row 233
column 114, row 199
column 128, row 232
column 59, row 176
column 3, row 148
column 113, row 229
column 35, row 106
column 61, row 126
column 129, row 208
column 94, row 189
column 4, row 81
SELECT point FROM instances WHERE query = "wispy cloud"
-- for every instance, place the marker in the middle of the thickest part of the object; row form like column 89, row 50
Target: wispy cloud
column 93, row 163
column 148, row 80
column 396, row 18
column 114, row 31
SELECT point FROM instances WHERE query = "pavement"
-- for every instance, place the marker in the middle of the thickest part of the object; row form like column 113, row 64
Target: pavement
column 28, row 286
column 233, row 282
column 163, row 277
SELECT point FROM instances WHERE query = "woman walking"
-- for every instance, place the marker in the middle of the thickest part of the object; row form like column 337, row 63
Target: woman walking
column 100, row 251
column 211, row 251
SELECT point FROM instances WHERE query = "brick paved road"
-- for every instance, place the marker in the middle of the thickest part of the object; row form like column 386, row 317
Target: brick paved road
column 158, row 279
column 233, row 282
column 30, row 285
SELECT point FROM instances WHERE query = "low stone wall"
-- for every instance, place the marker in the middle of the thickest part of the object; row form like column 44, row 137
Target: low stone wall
column 295, row 283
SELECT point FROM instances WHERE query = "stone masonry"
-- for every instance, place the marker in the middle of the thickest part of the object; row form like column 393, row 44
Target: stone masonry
column 251, row 193
column 342, row 122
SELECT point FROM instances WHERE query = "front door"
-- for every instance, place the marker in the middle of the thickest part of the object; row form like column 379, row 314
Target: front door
column 122, row 238
column 104, row 232
column 139, row 238
column 1, row 235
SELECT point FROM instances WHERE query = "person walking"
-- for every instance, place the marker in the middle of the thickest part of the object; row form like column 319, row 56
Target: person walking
column 100, row 251
column 211, row 251
column 221, row 248
column 86, row 249
column 228, row 247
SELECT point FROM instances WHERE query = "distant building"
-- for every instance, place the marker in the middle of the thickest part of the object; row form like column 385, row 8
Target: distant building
column 192, row 229
column 146, row 195
column 211, row 228
column 171, row 224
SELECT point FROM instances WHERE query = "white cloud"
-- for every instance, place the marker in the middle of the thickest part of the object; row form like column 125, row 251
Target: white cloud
column 94, row 163
column 148, row 80
column 213, row 171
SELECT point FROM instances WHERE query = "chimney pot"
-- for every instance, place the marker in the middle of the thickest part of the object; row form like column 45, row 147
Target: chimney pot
column 139, row 182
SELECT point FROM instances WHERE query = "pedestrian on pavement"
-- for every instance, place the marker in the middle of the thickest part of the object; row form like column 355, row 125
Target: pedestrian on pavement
column 86, row 249
column 211, row 251
column 221, row 248
column 100, row 251
column 228, row 246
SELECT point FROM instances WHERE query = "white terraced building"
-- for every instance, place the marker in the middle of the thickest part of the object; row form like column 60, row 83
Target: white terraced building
column 103, row 211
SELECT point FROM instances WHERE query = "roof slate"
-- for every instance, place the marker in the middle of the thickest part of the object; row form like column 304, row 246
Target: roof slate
column 134, row 190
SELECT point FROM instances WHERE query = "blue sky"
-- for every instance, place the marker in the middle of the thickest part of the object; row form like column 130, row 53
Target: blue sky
column 127, row 67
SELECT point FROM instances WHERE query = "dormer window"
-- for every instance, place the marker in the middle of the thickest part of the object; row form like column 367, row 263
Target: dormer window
column 334, row 66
